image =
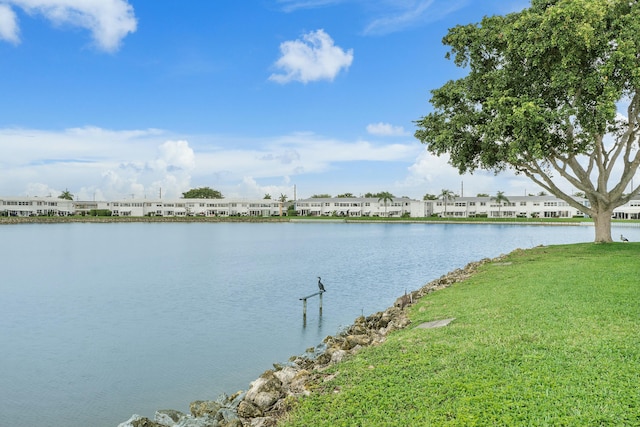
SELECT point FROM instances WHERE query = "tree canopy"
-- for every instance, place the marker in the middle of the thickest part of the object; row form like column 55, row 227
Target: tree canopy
column 66, row 195
column 385, row 197
column 202, row 193
column 379, row 195
column 542, row 97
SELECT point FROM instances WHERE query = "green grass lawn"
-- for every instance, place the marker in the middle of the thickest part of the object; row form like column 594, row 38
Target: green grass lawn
column 547, row 336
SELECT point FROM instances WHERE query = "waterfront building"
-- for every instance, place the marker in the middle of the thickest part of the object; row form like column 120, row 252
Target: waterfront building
column 353, row 207
column 35, row 206
column 49, row 206
column 514, row 207
column 350, row 207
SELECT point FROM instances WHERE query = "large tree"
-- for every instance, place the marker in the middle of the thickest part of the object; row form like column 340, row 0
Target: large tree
column 202, row 193
column 542, row 95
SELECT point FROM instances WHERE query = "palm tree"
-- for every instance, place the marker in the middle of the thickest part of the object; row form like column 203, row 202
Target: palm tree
column 66, row 195
column 385, row 196
column 282, row 199
column 446, row 195
column 500, row 199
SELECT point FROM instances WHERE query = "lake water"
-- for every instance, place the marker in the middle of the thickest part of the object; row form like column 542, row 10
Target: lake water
column 100, row 321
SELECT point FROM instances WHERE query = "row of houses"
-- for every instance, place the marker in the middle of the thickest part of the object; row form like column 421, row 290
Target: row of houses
column 458, row 207
column 356, row 207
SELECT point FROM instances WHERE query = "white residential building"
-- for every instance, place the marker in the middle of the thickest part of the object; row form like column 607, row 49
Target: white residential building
column 515, row 207
column 351, row 207
column 459, row 207
column 35, row 206
column 49, row 206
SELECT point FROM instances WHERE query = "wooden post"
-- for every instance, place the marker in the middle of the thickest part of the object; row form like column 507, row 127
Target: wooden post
column 304, row 306
column 304, row 310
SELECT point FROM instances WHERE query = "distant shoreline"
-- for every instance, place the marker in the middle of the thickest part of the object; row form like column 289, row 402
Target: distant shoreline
column 200, row 219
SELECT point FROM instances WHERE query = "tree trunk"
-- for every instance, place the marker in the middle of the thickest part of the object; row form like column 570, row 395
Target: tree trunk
column 602, row 223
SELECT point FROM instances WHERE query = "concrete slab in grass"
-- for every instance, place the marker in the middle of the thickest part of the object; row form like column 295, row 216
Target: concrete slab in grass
column 435, row 323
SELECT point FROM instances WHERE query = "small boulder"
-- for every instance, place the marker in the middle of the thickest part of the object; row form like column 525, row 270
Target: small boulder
column 265, row 391
column 201, row 408
column 168, row 416
column 190, row 421
column 139, row 421
column 338, row 355
column 355, row 340
column 286, row 374
column 248, row 410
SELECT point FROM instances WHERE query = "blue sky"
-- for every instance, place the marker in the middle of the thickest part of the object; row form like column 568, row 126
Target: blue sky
column 118, row 99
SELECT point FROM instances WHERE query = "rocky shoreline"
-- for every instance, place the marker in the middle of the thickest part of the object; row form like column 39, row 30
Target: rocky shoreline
column 270, row 396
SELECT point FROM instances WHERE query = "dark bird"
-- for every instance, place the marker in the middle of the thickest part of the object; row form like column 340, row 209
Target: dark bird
column 624, row 239
column 320, row 285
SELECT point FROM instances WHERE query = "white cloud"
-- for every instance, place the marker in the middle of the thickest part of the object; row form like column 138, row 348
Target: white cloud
column 169, row 173
column 389, row 16
column 109, row 21
column 96, row 163
column 398, row 16
column 295, row 154
column 293, row 5
column 102, row 164
column 251, row 188
column 176, row 155
column 314, row 57
column 431, row 174
column 9, row 25
column 386, row 129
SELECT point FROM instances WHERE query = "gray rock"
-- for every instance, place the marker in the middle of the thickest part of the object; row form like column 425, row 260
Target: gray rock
column 286, row 374
column 200, row 408
column 338, row 355
column 168, row 416
column 247, row 409
column 227, row 415
column 139, row 421
column 263, row 422
column 265, row 391
column 190, row 421
column 236, row 399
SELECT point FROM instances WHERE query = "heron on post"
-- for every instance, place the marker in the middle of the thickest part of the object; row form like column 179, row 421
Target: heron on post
column 320, row 285
column 624, row 239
